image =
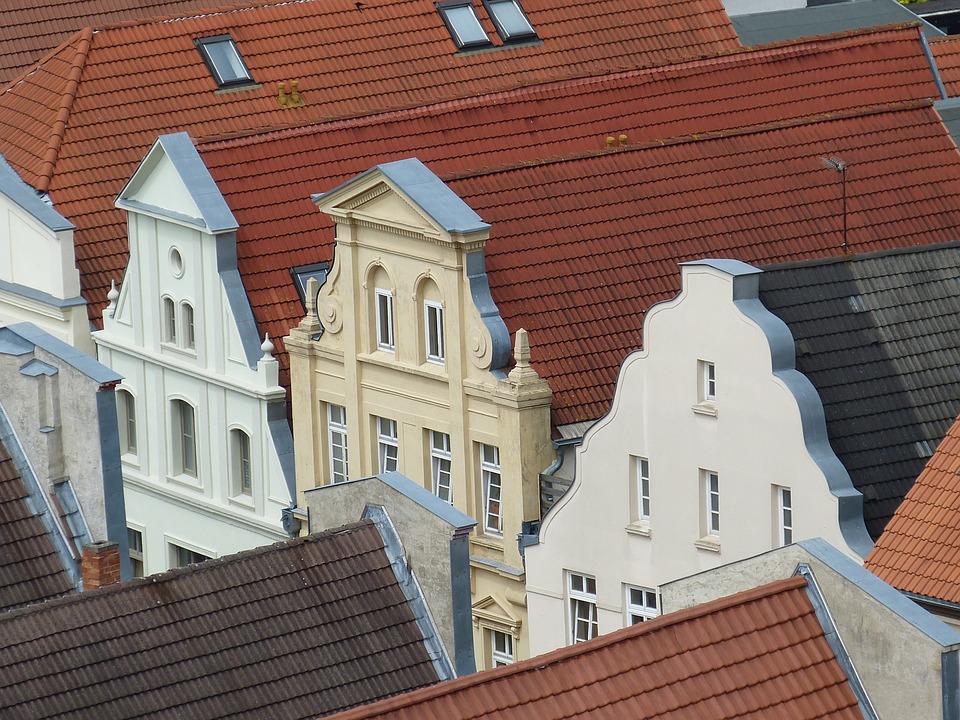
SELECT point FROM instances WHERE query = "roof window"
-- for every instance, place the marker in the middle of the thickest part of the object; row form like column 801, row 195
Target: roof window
column 303, row 273
column 464, row 25
column 224, row 61
column 511, row 21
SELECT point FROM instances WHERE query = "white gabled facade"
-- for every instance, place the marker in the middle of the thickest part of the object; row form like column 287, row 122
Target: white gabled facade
column 205, row 443
column 715, row 449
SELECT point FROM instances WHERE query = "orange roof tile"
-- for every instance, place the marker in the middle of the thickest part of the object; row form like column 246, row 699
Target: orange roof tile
column 919, row 550
column 946, row 51
column 78, row 123
column 761, row 653
column 281, row 229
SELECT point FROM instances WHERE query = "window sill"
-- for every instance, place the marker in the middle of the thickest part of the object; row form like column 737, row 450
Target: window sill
column 130, row 459
column 489, row 541
column 639, row 528
column 186, row 351
column 186, row 480
column 705, row 408
column 244, row 501
column 710, row 543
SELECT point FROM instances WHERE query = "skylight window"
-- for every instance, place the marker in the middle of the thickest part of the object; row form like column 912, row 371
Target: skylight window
column 224, row 61
column 463, row 24
column 511, row 22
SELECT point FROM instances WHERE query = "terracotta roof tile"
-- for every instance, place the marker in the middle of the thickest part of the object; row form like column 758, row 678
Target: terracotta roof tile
column 30, row 569
column 520, row 126
column 298, row 629
column 946, row 51
column 757, row 654
column 919, row 550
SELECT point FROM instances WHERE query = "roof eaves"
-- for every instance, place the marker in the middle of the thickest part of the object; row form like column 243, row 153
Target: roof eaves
column 18, row 192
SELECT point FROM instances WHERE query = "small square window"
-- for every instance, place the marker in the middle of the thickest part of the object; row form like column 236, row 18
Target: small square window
column 224, row 61
column 641, row 604
column 464, row 25
column 511, row 22
column 501, row 649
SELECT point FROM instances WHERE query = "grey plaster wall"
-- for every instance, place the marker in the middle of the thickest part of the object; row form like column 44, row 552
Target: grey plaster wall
column 896, row 647
column 425, row 537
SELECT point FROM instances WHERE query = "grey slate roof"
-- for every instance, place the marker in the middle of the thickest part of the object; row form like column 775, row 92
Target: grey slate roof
column 768, row 27
column 298, row 629
column 879, row 337
column 30, row 568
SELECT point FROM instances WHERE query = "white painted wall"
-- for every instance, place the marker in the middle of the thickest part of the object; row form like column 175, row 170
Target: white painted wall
column 754, row 441
column 745, row 7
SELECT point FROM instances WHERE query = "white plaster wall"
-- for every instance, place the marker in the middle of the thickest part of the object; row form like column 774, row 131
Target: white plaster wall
column 35, row 256
column 753, row 442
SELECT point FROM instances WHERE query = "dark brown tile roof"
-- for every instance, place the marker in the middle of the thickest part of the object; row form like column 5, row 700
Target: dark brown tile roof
column 78, row 122
column 31, row 571
column 268, row 178
column 919, row 551
column 758, row 654
column 297, row 629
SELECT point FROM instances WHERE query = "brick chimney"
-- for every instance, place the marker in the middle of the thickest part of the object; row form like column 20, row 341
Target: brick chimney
column 100, row 565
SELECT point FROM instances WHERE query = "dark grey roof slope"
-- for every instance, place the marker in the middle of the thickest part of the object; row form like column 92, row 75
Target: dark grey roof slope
column 768, row 27
column 879, row 337
column 30, row 568
column 298, row 629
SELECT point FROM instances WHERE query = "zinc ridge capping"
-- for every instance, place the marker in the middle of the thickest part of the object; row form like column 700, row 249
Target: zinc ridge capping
column 854, row 256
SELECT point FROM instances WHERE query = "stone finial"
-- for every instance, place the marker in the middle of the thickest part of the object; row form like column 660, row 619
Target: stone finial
column 267, row 347
column 311, row 322
column 112, row 296
column 522, row 372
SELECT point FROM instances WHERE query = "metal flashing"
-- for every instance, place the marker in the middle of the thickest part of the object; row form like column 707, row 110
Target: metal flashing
column 40, row 296
column 427, row 500
column 282, row 437
column 237, row 298
column 114, row 506
column 77, row 359
column 24, row 196
column 36, row 368
column 489, row 312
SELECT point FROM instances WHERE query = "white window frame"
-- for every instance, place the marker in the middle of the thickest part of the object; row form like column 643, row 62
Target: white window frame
column 186, row 461
column 241, row 462
column 127, row 421
column 383, row 311
column 640, row 604
column 337, row 434
column 441, row 462
column 179, row 552
column 168, row 317
column 784, row 515
column 189, row 331
column 711, row 498
column 388, row 444
column 492, row 489
column 639, row 490
column 433, row 332
column 708, row 381
column 501, row 648
column 135, row 550
column 582, row 607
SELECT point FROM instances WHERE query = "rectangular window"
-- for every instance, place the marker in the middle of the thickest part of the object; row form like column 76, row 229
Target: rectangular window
column 440, row 460
column 708, row 381
column 135, row 541
column 639, row 489
column 501, row 647
column 185, row 438
column 243, row 477
column 182, row 556
column 388, row 444
column 711, row 486
column 190, row 339
column 641, row 604
column 127, row 412
column 492, row 501
column 384, row 319
column 434, row 331
column 463, row 24
column 337, row 424
column 223, row 60
column 511, row 22
column 784, row 515
column 582, row 597
column 169, row 321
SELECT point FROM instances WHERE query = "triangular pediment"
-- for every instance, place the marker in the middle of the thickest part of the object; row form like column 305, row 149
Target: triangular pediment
column 495, row 609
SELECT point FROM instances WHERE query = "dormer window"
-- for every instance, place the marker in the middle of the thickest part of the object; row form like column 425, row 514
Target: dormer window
column 512, row 23
column 224, row 61
column 464, row 25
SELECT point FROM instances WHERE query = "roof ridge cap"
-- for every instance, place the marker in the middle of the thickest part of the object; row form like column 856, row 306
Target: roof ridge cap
column 51, row 155
column 565, row 653
column 842, row 34
column 196, row 14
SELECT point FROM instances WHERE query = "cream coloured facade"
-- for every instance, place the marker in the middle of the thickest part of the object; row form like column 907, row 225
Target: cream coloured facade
column 714, row 449
column 205, row 443
column 401, row 365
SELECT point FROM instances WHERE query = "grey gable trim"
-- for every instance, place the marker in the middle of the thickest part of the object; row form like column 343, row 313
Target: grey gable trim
column 425, row 189
column 27, row 198
column 40, row 296
column 427, row 500
column 200, row 184
column 812, row 420
column 412, row 591
column 489, row 312
column 37, row 501
column 197, row 222
column 78, row 359
column 237, row 297
column 282, row 437
column 836, row 643
column 114, row 507
column 949, row 688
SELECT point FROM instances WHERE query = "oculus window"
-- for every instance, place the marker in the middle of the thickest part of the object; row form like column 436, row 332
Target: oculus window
column 464, row 25
column 511, row 22
column 224, row 61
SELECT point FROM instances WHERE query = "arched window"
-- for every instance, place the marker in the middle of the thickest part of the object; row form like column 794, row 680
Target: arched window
column 127, row 421
column 432, row 331
column 241, row 468
column 169, row 329
column 184, row 437
column 189, row 336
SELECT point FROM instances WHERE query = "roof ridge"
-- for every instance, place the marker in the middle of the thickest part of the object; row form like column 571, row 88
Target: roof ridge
column 899, row 106
column 83, row 38
column 195, row 14
column 856, row 257
column 562, row 654
column 176, row 572
column 853, row 32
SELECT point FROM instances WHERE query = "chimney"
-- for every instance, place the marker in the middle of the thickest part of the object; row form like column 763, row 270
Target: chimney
column 100, row 565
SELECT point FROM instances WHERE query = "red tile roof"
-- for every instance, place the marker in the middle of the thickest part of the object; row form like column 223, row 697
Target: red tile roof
column 79, row 122
column 946, row 52
column 281, row 229
column 29, row 30
column 761, row 653
column 919, row 551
